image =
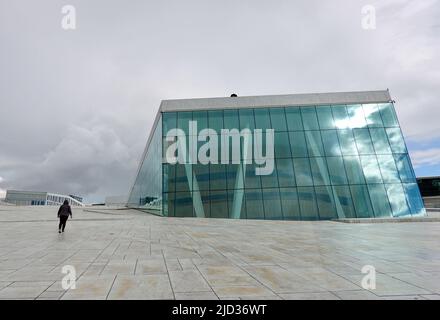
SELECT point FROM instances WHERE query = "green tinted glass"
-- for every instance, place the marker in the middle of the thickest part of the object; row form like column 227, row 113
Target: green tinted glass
column 293, row 117
column 309, row 119
column 278, row 119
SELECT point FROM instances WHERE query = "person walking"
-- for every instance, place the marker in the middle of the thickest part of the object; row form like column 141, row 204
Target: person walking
column 63, row 213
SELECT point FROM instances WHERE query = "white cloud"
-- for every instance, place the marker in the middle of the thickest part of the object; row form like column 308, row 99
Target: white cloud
column 427, row 157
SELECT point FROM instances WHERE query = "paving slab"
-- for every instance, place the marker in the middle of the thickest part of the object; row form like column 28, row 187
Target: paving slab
column 188, row 281
column 310, row 296
column 205, row 295
column 226, row 276
column 21, row 292
column 90, row 288
column 150, row 266
column 243, row 291
column 125, row 254
column 119, row 267
column 389, row 286
column 141, row 287
column 280, row 280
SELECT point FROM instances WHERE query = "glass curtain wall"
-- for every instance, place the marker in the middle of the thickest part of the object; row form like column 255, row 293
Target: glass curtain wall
column 147, row 189
column 335, row 161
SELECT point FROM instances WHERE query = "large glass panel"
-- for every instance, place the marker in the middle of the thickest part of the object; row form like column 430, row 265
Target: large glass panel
column 404, row 167
column 166, row 204
column 363, row 141
column 343, row 202
column 200, row 177
column 303, row 174
column 349, row 162
column 272, row 204
column 202, row 209
column 246, row 118
column 298, row 144
column 289, row 203
column 371, row 169
column 379, row 200
column 331, row 143
column 254, row 204
column 336, row 170
column 414, row 199
column 388, row 168
column 169, row 121
column 183, row 119
column 397, row 200
column 169, row 177
column 361, row 201
column 183, row 205
column 356, row 115
column 147, row 191
column 278, row 119
column 219, row 204
column 171, row 203
column 202, row 120
column 262, row 119
column 314, row 144
column 340, row 116
column 310, row 121
column 236, row 204
column 380, row 141
column 372, row 115
column 270, row 180
column 235, row 176
column 319, row 171
column 282, row 145
column 231, row 119
column 217, row 176
column 347, row 142
column 325, row 202
column 294, row 121
column 325, row 117
column 396, row 140
column 388, row 114
column 354, row 170
column 307, row 203
column 183, row 181
column 286, row 176
column 215, row 120
column 246, row 146
column 251, row 179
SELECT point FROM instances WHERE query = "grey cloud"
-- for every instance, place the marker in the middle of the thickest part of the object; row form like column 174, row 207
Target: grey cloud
column 95, row 155
column 76, row 106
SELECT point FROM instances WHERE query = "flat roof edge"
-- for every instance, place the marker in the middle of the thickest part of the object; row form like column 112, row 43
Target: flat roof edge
column 301, row 99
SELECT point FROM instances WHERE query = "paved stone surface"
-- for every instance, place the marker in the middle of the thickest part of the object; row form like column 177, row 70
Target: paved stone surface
column 126, row 254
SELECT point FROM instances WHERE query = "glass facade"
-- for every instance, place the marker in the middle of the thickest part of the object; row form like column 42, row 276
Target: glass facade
column 332, row 161
column 147, row 189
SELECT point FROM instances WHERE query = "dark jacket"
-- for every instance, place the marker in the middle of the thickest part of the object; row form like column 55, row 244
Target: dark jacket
column 64, row 211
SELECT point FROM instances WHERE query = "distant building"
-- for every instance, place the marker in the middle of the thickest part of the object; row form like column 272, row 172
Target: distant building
column 430, row 190
column 37, row 198
column 80, row 199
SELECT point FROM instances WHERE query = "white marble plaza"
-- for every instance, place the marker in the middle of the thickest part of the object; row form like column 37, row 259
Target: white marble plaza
column 126, row 254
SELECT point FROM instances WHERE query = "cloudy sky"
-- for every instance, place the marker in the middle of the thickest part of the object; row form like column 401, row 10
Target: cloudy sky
column 76, row 106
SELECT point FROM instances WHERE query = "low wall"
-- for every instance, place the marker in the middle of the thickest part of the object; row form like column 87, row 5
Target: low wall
column 431, row 202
